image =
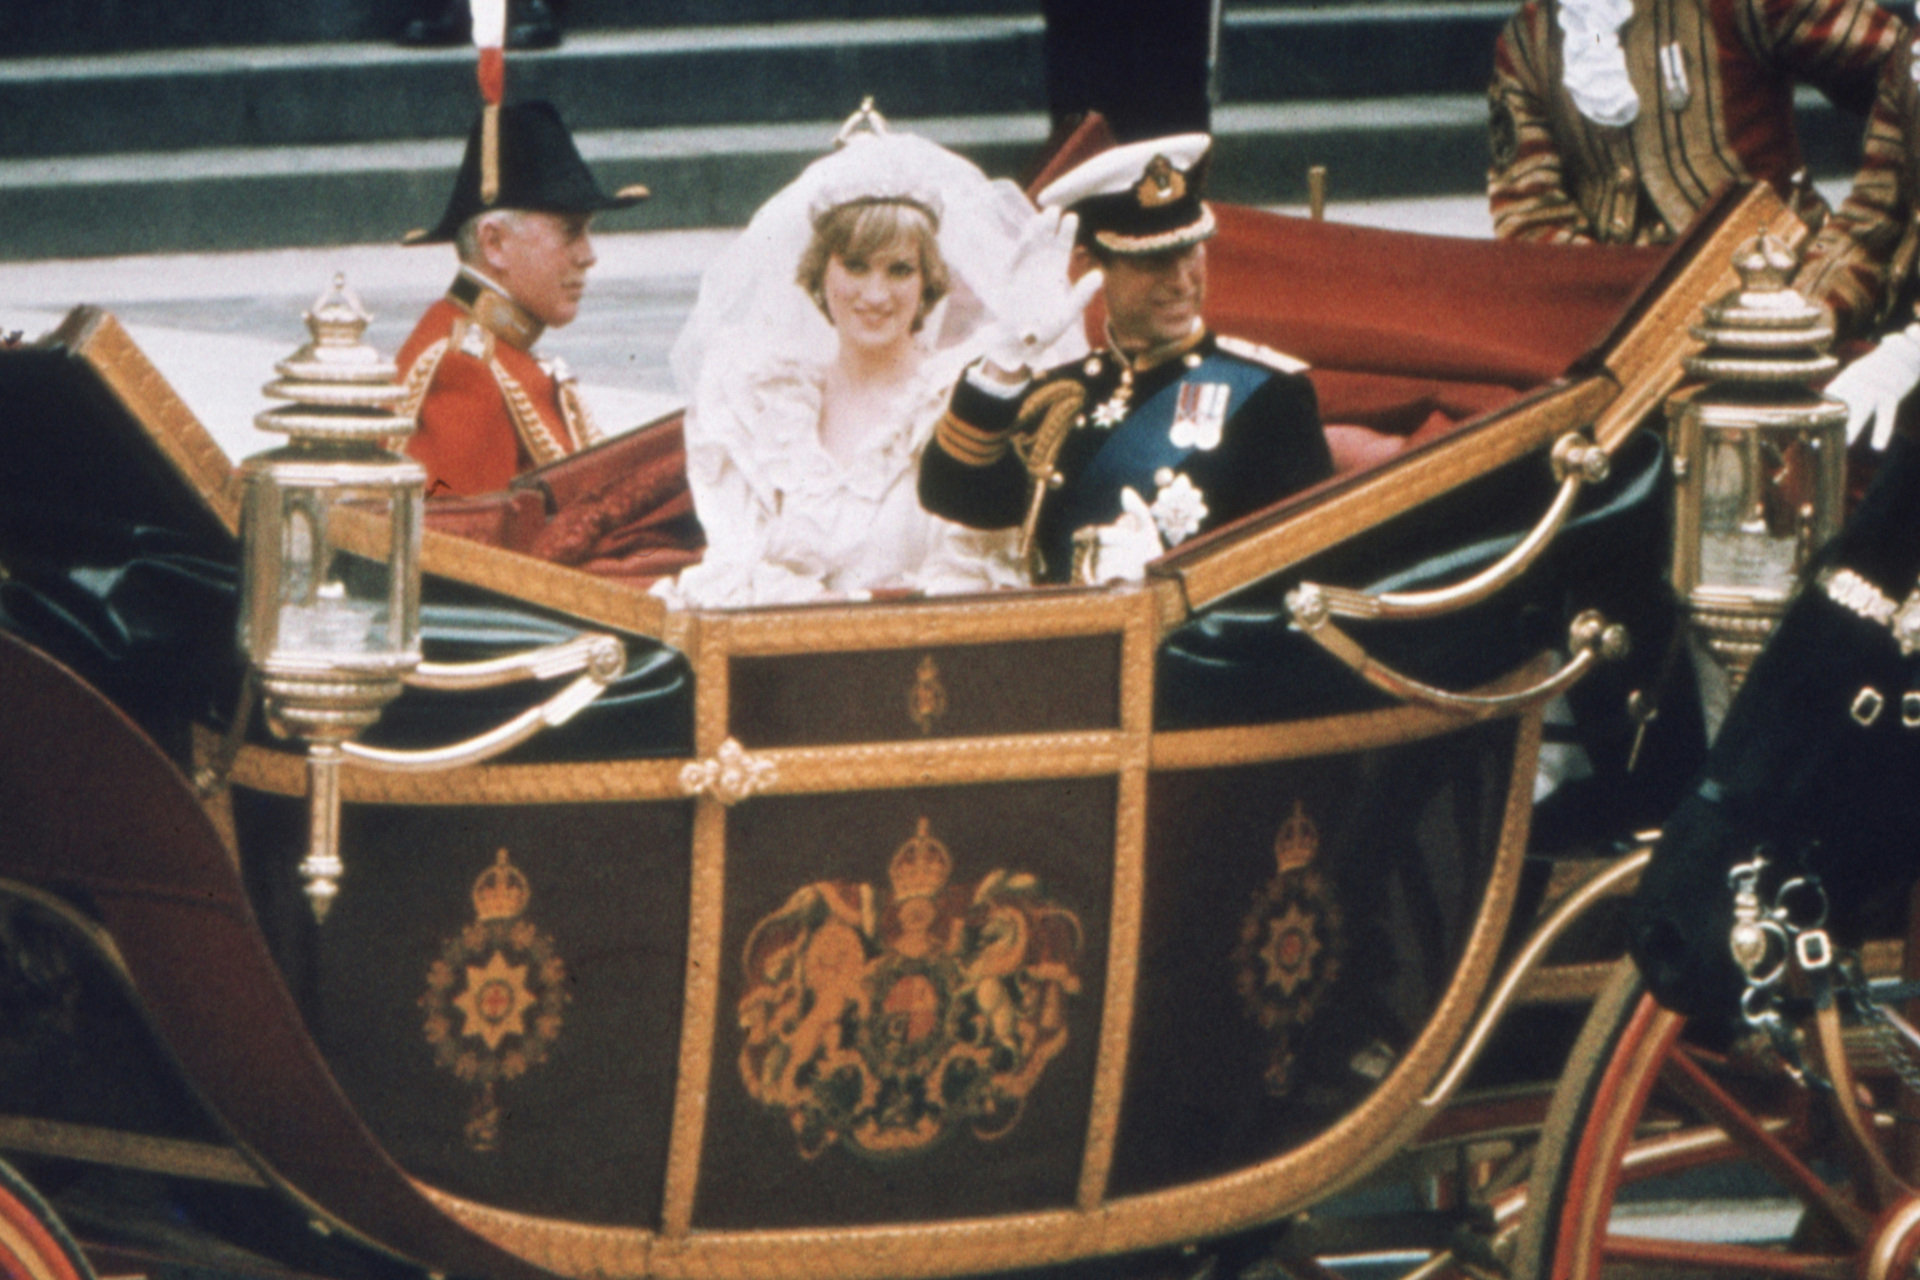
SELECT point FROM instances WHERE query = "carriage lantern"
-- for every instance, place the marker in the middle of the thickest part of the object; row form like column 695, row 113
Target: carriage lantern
column 1759, row 457
column 330, row 592
column 330, row 526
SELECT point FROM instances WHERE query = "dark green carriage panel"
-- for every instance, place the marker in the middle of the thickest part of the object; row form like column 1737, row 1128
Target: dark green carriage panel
column 910, row 997
column 509, row 1032
column 1302, row 920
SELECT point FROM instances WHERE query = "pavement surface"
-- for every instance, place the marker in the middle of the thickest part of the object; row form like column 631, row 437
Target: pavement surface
column 214, row 324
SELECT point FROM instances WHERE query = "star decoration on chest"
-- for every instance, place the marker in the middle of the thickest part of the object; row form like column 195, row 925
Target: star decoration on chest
column 1179, row 508
column 1112, row 411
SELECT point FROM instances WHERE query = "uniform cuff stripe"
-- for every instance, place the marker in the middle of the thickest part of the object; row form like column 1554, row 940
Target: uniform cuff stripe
column 968, row 444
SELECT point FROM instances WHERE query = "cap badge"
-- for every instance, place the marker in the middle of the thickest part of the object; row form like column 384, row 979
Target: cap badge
column 1163, row 184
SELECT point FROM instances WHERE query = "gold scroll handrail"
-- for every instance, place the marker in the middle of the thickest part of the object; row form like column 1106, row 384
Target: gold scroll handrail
column 1591, row 639
column 1577, row 462
column 599, row 658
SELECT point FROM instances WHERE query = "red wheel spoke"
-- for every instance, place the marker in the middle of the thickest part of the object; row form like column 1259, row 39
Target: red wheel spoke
column 1697, row 1087
column 1706, row 1256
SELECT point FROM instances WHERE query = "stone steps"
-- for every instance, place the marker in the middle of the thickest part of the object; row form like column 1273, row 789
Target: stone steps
column 222, row 149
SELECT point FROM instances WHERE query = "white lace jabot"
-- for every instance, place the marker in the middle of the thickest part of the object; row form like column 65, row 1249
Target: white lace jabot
column 1594, row 66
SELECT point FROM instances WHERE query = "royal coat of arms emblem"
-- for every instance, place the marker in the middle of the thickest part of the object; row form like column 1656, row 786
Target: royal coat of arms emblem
column 887, row 1020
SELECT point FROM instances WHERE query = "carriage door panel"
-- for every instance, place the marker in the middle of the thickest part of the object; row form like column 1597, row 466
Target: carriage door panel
column 1302, row 919
column 910, row 1001
column 498, row 987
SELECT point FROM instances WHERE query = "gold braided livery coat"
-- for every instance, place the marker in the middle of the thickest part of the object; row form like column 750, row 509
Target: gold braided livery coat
column 1722, row 113
column 1861, row 259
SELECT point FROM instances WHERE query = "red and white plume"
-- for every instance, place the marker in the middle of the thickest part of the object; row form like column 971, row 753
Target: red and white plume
column 490, row 38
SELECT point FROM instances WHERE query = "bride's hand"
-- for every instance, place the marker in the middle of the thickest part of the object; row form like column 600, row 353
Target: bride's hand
column 1043, row 305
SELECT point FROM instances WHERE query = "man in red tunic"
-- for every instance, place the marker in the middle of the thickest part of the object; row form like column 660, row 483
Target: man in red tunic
column 487, row 408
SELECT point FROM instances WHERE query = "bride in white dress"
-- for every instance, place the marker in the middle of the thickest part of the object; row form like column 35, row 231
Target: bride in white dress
column 819, row 357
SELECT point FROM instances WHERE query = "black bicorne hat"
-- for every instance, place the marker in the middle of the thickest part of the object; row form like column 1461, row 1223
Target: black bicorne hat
column 540, row 170
column 1145, row 197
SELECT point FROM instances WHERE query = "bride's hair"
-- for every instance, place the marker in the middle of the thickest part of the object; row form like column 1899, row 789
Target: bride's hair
column 861, row 228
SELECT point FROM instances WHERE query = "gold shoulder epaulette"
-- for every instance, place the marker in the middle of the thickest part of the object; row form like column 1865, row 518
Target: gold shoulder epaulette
column 470, row 337
column 1259, row 354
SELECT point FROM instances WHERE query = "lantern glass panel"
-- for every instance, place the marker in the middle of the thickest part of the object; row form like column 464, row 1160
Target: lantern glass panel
column 1750, row 524
column 313, row 601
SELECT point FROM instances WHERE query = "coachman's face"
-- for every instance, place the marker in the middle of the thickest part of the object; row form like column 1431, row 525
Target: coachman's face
column 1155, row 298
column 541, row 261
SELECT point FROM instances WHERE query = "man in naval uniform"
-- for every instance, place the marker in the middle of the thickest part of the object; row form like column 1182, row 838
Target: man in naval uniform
column 1615, row 121
column 1169, row 431
column 487, row 408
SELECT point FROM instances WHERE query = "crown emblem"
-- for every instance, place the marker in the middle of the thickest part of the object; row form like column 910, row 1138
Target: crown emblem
column 920, row 867
column 1163, row 184
column 1297, row 841
column 501, row 892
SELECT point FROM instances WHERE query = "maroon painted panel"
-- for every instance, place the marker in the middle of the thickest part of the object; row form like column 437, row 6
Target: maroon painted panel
column 95, row 810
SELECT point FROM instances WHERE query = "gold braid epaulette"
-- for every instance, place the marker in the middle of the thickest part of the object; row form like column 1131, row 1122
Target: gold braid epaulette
column 542, row 445
column 1046, row 417
column 417, row 379
column 579, row 418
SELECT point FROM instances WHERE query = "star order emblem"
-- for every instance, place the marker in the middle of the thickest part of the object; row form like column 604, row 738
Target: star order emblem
column 1290, row 950
column 495, row 1001
column 495, row 997
column 1292, row 940
column 1111, row 412
column 1179, row 508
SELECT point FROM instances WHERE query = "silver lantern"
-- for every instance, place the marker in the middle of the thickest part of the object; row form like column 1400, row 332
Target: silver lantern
column 1759, row 457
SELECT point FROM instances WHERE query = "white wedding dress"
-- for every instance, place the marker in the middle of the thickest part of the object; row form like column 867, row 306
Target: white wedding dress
column 785, row 521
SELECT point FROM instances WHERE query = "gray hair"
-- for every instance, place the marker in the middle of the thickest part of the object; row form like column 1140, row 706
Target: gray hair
column 466, row 241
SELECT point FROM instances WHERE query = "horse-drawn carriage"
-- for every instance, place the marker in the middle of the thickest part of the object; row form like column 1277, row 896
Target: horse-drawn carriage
column 905, row 937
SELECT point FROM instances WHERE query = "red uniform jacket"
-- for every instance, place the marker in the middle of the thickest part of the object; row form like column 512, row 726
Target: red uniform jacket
column 486, row 410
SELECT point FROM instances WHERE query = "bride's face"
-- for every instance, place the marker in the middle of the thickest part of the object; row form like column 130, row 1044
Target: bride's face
column 874, row 299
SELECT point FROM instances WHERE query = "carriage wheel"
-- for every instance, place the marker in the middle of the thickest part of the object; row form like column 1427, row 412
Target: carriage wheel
column 1642, row 1112
column 33, row 1244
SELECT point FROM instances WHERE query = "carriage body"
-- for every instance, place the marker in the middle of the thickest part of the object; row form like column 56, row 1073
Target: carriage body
column 894, row 938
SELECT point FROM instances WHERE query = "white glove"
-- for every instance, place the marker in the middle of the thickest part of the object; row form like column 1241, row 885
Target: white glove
column 1041, row 305
column 1118, row 552
column 1874, row 385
